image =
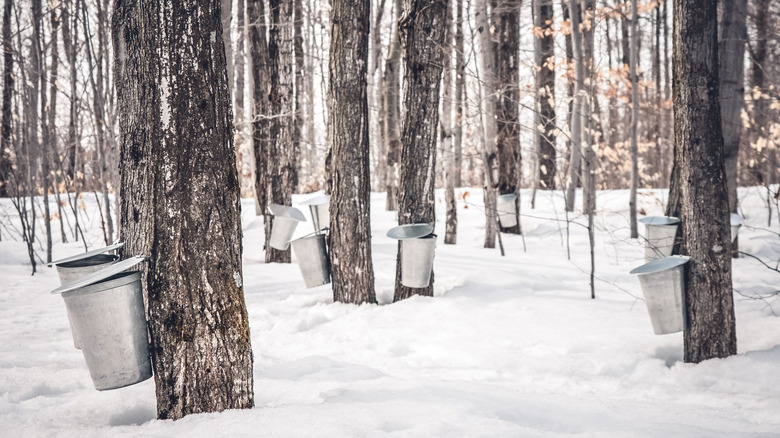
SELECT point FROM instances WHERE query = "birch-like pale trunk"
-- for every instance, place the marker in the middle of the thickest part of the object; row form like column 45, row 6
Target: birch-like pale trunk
column 446, row 129
column 579, row 95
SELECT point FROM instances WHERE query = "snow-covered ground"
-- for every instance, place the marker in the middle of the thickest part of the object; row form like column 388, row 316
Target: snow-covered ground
column 509, row 346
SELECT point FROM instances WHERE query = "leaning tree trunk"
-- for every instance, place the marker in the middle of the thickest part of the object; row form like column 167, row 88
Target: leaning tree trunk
column 508, row 103
column 446, row 129
column 392, row 114
column 711, row 328
column 180, row 203
column 731, row 53
column 544, row 54
column 423, row 29
column 486, row 65
column 576, row 119
column 350, row 219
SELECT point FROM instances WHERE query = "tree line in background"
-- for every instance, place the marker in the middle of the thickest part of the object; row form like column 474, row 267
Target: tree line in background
column 194, row 104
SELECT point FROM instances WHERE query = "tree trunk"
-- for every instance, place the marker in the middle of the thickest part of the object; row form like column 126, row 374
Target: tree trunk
column 261, row 89
column 422, row 28
column 544, row 55
column 758, row 120
column 460, row 90
column 446, row 129
column 180, row 201
column 508, row 103
column 709, row 297
column 634, row 118
column 350, row 206
column 226, row 14
column 282, row 172
column 576, row 119
column 71, row 43
column 488, row 104
column 303, row 166
column 243, row 145
column 731, row 55
column 52, row 114
column 589, row 112
column 8, row 88
column 392, row 112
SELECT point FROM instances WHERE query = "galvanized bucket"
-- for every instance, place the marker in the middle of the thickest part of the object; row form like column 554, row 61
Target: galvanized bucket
column 660, row 232
column 736, row 224
column 312, row 255
column 285, row 220
column 77, row 266
column 107, row 311
column 417, row 261
column 320, row 215
column 505, row 204
column 663, row 286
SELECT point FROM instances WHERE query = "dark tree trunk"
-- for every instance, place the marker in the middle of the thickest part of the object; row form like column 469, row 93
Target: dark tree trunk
column 303, row 166
column 705, row 213
column 282, row 164
column 261, row 83
column 507, row 21
column 392, row 120
column 634, row 61
column 52, row 115
column 8, row 88
column 758, row 121
column 180, row 201
column 38, row 76
column 544, row 50
column 350, row 219
column 731, row 55
column 423, row 29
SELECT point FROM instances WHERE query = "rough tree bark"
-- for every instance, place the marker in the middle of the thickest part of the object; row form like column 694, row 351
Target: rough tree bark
column 731, row 55
column 488, row 104
column 303, row 166
column 261, row 89
column 282, row 175
column 180, row 203
column 350, row 232
column 392, row 111
column 544, row 55
column 699, row 157
column 422, row 27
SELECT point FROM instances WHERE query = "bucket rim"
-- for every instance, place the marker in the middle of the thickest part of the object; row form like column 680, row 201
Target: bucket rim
column 110, row 283
column 317, row 200
column 109, row 258
column 315, row 235
column 509, row 197
column 410, row 231
column 660, row 220
column 87, row 254
column 286, row 212
column 100, row 275
column 661, row 264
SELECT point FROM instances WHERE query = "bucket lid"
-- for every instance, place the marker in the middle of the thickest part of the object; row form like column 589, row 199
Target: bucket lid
column 87, row 254
column 661, row 265
column 659, row 220
column 410, row 231
column 320, row 199
column 287, row 212
column 509, row 197
column 736, row 221
column 100, row 275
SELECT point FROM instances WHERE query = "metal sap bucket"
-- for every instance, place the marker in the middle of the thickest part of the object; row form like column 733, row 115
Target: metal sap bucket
column 285, row 220
column 736, row 224
column 312, row 255
column 74, row 267
column 660, row 232
column 107, row 311
column 663, row 285
column 505, row 204
column 320, row 215
column 418, row 247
